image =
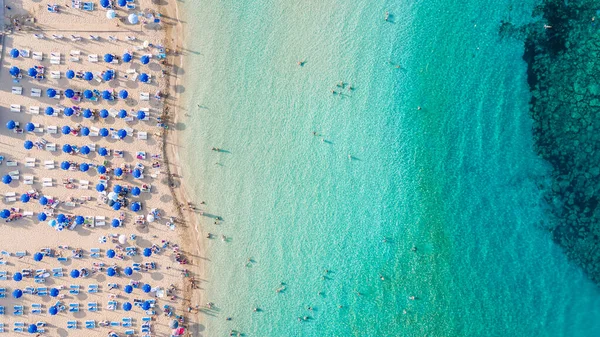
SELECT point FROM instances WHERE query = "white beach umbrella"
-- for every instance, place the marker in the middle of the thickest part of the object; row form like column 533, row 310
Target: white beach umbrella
column 146, row 44
column 111, row 14
column 113, row 196
column 133, row 19
column 122, row 239
column 150, row 218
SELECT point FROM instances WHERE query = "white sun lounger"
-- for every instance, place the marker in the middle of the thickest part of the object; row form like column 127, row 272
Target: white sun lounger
column 49, row 164
column 142, row 135
column 51, row 147
column 34, row 110
column 15, row 108
column 47, row 182
column 84, row 184
column 24, row 53
column 14, row 174
column 144, row 96
column 55, row 58
column 75, row 54
column 93, row 58
column 10, row 194
column 130, row 71
column 12, row 163
column 10, row 198
column 100, row 220
column 52, row 129
column 55, row 74
column 17, row 90
column 28, row 180
column 134, row 76
column 35, row 92
column 30, row 162
column 38, row 56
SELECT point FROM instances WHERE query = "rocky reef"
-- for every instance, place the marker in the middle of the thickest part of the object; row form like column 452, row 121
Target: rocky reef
column 562, row 51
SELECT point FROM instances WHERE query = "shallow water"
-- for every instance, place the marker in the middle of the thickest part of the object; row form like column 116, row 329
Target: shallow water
column 457, row 179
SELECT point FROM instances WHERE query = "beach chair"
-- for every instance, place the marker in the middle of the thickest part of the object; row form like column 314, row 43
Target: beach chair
column 74, row 289
column 129, row 332
column 93, row 58
column 57, row 272
column 52, row 129
column 73, row 307
column 71, row 325
column 17, row 90
column 146, row 319
column 14, row 174
column 75, row 55
column 88, row 6
column 51, row 147
column 49, row 164
column 92, row 306
column 2, row 293
column 95, row 253
column 100, row 220
column 1, row 310
column 18, row 329
column 84, row 184
column 29, row 290
column 35, row 92
column 38, row 56
column 55, row 75
column 47, row 182
column 34, row 110
column 62, row 259
column 115, row 324
column 30, row 162
column 142, row 135
column 15, row 108
column 92, row 288
column 90, row 324
column 36, row 308
column 127, row 322
column 112, row 305
column 18, row 310
column 42, row 291
column 144, row 96
column 11, row 163
column 55, row 58
column 3, row 275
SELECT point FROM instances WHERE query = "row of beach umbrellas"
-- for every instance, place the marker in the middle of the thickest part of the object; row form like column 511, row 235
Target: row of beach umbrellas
column 108, row 58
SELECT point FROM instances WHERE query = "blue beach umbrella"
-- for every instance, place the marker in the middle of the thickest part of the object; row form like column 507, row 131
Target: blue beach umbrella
column 101, row 169
column 49, row 111
column 147, row 252
column 146, row 305
column 54, row 292
column 116, row 206
column 88, row 94
column 29, row 127
column 66, row 130
column 74, row 273
column 117, row 189
column 52, row 223
column 137, row 173
column 42, row 216
column 50, row 92
column 17, row 277
column 32, row 72
column 126, row 57
column 122, row 3
column 14, row 53
column 104, row 113
column 85, row 131
column 7, row 179
column 115, row 222
column 11, row 124
column 128, row 289
column 146, row 288
column 84, row 167
column 4, row 214
column 69, row 93
column 111, row 271
column 38, row 256
column 136, row 206
column 61, row 218
column 69, row 111
column 135, row 191
column 87, row 113
column 105, row 3
column 28, row 145
column 14, row 71
column 67, row 149
column 43, row 201
column 84, row 150
column 103, row 152
column 127, row 306
column 25, row 198
column 123, row 94
column 141, row 115
column 106, row 94
column 110, row 253
column 108, row 75
column 100, row 187
column 79, row 220
column 65, row 165
column 145, row 59
column 17, row 293
column 122, row 113
column 53, row 310
column 70, row 74
column 108, row 58
column 88, row 76
column 103, row 132
column 128, row 271
column 118, row 171
column 122, row 133
column 32, row 328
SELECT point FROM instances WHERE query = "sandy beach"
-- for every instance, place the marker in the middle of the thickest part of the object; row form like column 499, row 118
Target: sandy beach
column 58, row 137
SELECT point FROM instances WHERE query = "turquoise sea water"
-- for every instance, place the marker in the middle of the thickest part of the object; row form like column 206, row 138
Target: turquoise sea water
column 457, row 179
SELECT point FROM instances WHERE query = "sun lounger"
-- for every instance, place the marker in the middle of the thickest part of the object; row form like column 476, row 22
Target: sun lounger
column 34, row 110
column 35, row 92
column 36, row 308
column 92, row 288
column 3, row 275
column 129, row 332
column 92, row 306
column 73, row 307
column 115, row 324
column 51, row 147
column 15, row 108
column 93, row 58
column 88, row 6
column 24, row 53
column 28, row 180
column 144, row 96
column 112, row 305
column 42, row 291
column 55, row 58
column 10, row 199
column 11, row 163
column 14, row 174
column 52, row 129
column 74, row 55
column 142, row 135
column 49, row 164
column 71, row 324
column 17, row 90
column 18, row 310
column 2, row 311
column 30, row 162
column 47, row 182
column 55, row 75
column 84, row 184
column 89, row 221
column 63, row 259
column 27, row 214
column 100, row 220
column 74, row 289
column 38, row 56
